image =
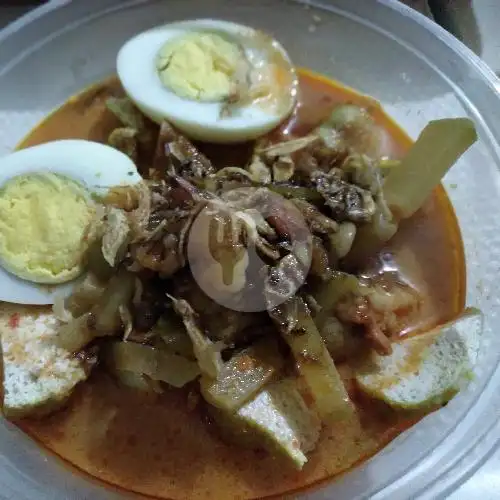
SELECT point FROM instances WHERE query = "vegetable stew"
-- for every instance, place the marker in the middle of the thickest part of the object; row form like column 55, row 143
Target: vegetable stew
column 165, row 442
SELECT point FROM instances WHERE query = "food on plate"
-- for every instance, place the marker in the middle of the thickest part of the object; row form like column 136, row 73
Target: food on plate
column 46, row 208
column 214, row 80
column 426, row 370
column 255, row 317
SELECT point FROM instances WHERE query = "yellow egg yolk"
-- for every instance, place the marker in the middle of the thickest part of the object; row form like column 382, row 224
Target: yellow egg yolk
column 201, row 66
column 43, row 222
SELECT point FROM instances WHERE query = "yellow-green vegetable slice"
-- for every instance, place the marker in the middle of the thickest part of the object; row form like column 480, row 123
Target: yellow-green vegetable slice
column 243, row 376
column 155, row 363
column 316, row 366
column 438, row 147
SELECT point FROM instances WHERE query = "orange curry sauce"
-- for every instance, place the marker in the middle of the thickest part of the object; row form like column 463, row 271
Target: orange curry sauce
column 158, row 447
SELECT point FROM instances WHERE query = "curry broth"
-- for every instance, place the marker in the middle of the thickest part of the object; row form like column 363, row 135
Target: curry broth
column 159, row 446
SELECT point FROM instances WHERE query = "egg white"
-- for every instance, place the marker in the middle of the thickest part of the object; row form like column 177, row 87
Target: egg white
column 96, row 167
column 136, row 68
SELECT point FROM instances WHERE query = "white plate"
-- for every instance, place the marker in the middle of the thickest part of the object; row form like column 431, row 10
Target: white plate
column 416, row 70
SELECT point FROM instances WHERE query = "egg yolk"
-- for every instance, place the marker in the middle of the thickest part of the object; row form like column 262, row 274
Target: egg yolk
column 201, row 66
column 43, row 222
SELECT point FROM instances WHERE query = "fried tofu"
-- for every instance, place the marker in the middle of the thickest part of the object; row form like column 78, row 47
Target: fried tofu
column 38, row 375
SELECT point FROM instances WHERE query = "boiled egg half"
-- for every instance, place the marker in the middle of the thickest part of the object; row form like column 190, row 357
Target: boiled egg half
column 215, row 81
column 47, row 201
